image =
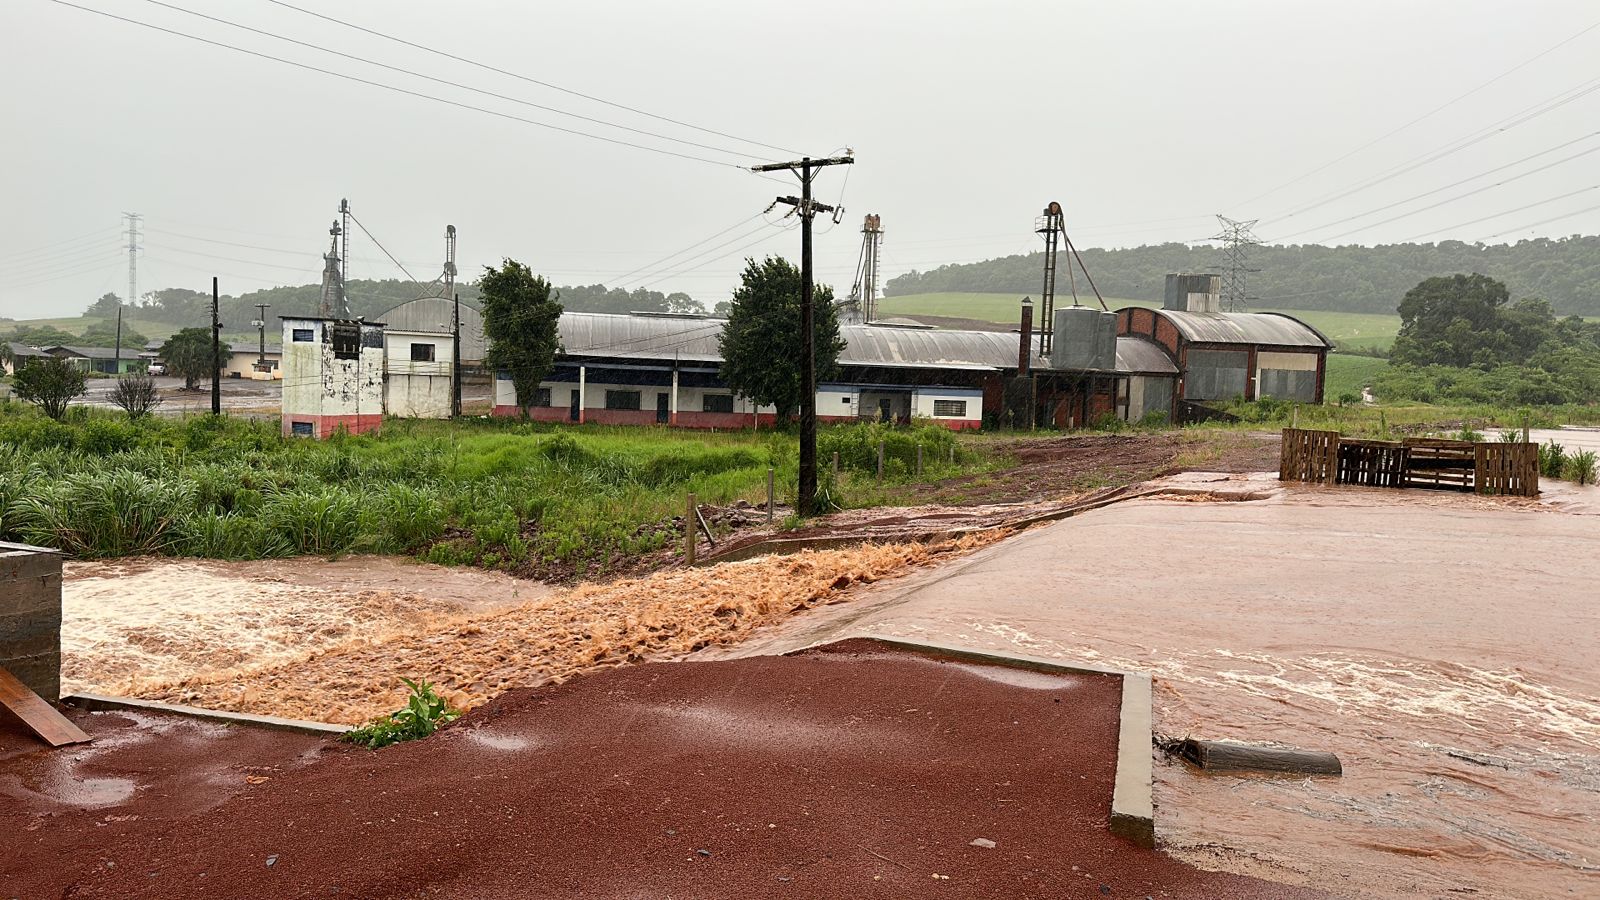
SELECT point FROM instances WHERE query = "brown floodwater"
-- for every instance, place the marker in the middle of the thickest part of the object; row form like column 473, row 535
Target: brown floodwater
column 1442, row 645
column 145, row 621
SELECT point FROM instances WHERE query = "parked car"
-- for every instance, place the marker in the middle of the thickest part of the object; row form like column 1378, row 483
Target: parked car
column 156, row 369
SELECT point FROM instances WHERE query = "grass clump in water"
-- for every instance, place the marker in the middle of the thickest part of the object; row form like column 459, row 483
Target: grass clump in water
column 425, row 713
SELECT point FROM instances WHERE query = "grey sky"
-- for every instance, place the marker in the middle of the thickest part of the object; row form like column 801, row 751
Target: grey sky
column 1142, row 119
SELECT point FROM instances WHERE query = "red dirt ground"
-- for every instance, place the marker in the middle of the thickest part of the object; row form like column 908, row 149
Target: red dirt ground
column 842, row 773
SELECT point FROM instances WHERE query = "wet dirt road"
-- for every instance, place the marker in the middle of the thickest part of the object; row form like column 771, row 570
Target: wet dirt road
column 143, row 621
column 1442, row 645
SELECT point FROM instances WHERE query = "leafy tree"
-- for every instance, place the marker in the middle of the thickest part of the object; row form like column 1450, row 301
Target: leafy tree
column 106, row 306
column 761, row 343
column 103, row 335
column 136, row 395
column 50, row 384
column 521, row 316
column 43, row 336
column 1452, row 320
column 188, row 353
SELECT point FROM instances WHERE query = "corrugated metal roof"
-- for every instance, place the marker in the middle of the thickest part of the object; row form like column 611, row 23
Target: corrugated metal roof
column 432, row 315
column 1244, row 328
column 91, row 352
column 872, row 345
column 1138, row 356
column 24, row 350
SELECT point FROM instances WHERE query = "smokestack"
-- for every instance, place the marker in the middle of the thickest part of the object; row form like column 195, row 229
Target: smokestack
column 1023, row 356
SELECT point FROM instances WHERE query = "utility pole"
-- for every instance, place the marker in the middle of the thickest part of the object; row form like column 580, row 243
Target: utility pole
column 1237, row 239
column 216, row 353
column 806, row 168
column 261, row 323
column 455, row 318
column 133, row 275
column 344, row 259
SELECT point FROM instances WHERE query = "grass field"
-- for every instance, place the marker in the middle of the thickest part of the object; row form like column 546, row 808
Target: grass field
column 1349, row 374
column 540, row 500
column 1348, row 330
column 151, row 329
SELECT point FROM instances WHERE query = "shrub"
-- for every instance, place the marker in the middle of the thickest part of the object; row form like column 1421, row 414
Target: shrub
column 1552, row 460
column 1581, row 467
column 1467, row 434
column 50, row 384
column 136, row 395
column 424, row 713
column 104, row 514
column 320, row 523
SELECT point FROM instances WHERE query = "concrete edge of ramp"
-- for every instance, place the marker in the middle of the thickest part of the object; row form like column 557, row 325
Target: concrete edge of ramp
column 1132, row 805
column 101, row 703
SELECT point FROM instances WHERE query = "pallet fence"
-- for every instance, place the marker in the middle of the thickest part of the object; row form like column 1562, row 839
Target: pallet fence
column 1325, row 457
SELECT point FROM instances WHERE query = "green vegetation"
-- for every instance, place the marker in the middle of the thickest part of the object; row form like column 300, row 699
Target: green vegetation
column 540, row 500
column 761, row 343
column 1349, row 374
column 50, row 384
column 520, row 319
column 190, row 355
column 424, row 714
column 1352, row 278
column 1361, row 332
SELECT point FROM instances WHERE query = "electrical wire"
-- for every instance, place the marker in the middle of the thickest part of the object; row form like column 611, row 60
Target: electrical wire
column 97, row 235
column 1499, row 214
column 1542, row 222
column 381, row 247
column 1438, row 109
column 448, row 83
column 530, row 80
column 248, row 262
column 669, row 256
column 395, row 88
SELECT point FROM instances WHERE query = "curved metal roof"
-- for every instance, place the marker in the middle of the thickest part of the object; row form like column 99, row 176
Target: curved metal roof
column 432, row 315
column 1138, row 356
column 1244, row 328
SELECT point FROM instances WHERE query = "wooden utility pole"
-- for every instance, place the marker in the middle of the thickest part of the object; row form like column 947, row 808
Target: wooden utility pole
column 806, row 168
column 216, row 353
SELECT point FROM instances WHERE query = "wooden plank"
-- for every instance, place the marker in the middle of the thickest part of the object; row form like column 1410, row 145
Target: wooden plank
column 41, row 718
column 1244, row 758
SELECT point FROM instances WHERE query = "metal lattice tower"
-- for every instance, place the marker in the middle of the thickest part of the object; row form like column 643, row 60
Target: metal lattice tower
column 1236, row 238
column 333, row 303
column 1050, row 225
column 133, row 257
column 862, row 304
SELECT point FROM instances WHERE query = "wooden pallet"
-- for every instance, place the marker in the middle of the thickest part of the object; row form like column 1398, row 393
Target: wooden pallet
column 1507, row 469
column 1371, row 463
column 41, row 718
column 1440, row 464
column 1308, row 455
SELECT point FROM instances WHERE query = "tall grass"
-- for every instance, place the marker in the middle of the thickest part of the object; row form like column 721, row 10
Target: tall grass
column 490, row 492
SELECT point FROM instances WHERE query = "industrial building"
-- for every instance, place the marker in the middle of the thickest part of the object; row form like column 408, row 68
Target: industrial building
column 332, row 375
column 1220, row 356
column 419, row 349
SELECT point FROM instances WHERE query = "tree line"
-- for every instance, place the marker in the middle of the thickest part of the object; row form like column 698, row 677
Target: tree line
column 1564, row 271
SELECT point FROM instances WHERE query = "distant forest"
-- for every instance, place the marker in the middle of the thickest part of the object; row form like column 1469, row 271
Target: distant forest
column 368, row 299
column 1565, row 272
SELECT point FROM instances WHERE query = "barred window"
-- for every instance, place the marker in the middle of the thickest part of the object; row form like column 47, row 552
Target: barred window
column 303, row 334
column 955, row 409
column 622, row 399
column 717, row 403
column 346, row 340
column 302, row 429
column 541, row 397
column 422, row 353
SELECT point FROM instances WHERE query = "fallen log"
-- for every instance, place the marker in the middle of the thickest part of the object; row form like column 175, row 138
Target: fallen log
column 1223, row 757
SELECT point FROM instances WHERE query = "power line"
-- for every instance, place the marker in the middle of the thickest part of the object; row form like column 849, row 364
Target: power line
column 1508, row 165
column 624, row 277
column 1499, row 214
column 1522, row 117
column 1543, row 222
column 446, row 81
column 1437, row 109
column 658, row 275
column 381, row 247
column 397, row 89
column 530, row 80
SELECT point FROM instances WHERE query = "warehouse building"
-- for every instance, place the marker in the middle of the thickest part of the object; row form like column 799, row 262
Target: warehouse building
column 419, row 356
column 1219, row 356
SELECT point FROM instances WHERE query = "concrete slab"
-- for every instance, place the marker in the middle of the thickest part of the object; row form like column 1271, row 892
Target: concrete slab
column 97, row 702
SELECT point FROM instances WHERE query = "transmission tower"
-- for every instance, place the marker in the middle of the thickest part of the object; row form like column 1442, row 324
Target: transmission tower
column 133, row 256
column 1236, row 238
column 862, row 304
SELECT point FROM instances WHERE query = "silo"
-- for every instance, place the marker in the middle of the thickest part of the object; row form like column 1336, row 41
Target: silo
column 1081, row 339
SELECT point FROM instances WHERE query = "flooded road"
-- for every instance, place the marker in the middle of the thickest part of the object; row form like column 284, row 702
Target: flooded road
column 143, row 621
column 1442, row 645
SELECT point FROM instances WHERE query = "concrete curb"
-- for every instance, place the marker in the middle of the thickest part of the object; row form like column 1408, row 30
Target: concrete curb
column 780, row 546
column 98, row 702
column 1132, row 806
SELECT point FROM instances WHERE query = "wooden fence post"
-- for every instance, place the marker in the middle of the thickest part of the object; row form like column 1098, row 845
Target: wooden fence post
column 689, row 529
column 835, row 465
column 880, row 460
column 770, row 495
column 919, row 460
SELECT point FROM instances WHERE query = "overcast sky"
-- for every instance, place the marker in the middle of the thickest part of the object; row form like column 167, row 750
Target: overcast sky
column 1142, row 119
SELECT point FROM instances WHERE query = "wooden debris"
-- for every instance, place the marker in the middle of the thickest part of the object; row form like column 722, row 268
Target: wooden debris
column 1223, row 757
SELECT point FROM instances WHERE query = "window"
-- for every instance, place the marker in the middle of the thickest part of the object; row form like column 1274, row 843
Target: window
column 346, row 341
column 303, row 335
column 301, row 429
column 954, row 409
column 424, row 353
column 622, row 399
column 541, row 397
column 719, row 403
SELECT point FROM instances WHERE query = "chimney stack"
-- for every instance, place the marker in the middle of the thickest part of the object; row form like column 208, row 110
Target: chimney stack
column 1024, row 358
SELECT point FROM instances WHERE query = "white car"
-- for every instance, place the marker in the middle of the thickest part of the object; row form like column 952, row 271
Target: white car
column 156, row 368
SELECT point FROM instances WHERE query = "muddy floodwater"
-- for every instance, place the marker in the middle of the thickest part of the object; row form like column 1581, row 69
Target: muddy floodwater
column 1444, row 646
column 145, row 621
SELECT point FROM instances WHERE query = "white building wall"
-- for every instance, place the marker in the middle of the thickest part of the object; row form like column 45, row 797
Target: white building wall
column 418, row 389
column 922, row 399
column 319, row 385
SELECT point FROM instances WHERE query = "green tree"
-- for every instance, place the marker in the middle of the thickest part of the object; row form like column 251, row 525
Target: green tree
column 104, row 335
column 188, row 353
column 50, row 384
column 521, row 316
column 1454, row 320
column 761, row 343
column 43, row 336
column 106, row 306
